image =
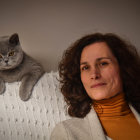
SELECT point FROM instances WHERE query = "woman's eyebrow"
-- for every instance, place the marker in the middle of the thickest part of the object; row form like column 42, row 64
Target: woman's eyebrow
column 98, row 59
column 83, row 63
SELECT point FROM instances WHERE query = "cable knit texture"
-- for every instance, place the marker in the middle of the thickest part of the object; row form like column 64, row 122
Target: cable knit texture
column 117, row 119
column 35, row 118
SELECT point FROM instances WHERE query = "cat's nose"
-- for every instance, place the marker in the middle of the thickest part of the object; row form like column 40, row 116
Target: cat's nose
column 6, row 61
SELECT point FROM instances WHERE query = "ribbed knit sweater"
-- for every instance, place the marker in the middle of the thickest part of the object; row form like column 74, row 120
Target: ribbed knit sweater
column 117, row 119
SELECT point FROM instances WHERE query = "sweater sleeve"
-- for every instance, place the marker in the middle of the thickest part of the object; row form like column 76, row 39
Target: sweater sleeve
column 59, row 133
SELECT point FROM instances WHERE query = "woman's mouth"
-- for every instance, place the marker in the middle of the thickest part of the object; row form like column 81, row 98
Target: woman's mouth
column 98, row 85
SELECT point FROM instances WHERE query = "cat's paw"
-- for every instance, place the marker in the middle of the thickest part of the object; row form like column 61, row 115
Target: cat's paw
column 24, row 94
column 2, row 87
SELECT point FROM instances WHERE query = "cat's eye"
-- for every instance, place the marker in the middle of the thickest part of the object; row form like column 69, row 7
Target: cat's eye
column 11, row 53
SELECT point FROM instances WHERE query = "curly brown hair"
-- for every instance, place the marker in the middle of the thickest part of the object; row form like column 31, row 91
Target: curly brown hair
column 78, row 101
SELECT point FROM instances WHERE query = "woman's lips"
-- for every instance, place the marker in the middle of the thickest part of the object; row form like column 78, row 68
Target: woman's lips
column 98, row 85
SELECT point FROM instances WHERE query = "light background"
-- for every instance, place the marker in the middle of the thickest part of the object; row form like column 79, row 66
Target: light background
column 47, row 27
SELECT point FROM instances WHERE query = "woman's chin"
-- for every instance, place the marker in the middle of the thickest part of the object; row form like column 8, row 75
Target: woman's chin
column 98, row 97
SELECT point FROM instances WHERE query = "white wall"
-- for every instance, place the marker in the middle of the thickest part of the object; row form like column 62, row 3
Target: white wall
column 47, row 27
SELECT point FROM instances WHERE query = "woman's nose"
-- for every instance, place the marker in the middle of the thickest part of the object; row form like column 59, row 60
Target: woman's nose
column 95, row 73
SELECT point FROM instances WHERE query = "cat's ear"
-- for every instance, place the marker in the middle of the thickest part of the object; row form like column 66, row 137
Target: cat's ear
column 14, row 39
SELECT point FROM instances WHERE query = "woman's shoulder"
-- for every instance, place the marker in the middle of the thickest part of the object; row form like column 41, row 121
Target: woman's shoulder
column 72, row 123
column 64, row 129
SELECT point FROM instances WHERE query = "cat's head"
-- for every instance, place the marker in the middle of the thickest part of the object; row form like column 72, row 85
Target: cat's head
column 11, row 54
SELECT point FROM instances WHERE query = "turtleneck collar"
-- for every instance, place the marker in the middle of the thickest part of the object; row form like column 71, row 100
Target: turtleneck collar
column 113, row 107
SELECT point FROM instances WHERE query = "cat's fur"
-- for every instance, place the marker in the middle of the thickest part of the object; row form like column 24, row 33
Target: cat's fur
column 16, row 65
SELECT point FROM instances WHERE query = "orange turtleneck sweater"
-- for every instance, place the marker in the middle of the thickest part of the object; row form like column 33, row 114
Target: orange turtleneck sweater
column 116, row 118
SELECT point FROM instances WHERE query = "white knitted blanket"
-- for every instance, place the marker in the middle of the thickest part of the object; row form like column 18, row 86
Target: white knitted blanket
column 35, row 118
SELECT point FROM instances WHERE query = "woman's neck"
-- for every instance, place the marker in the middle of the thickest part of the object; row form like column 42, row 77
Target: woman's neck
column 113, row 107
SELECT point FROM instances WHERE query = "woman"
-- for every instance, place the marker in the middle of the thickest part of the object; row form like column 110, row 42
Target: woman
column 100, row 82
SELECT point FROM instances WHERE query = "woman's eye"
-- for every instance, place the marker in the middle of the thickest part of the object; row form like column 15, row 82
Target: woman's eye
column 11, row 53
column 84, row 68
column 103, row 63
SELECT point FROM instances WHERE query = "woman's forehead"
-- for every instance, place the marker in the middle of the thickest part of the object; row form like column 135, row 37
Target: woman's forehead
column 96, row 51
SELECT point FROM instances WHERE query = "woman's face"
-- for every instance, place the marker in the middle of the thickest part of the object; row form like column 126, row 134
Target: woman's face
column 100, row 72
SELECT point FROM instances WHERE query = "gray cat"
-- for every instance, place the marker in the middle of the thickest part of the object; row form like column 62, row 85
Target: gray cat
column 16, row 65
